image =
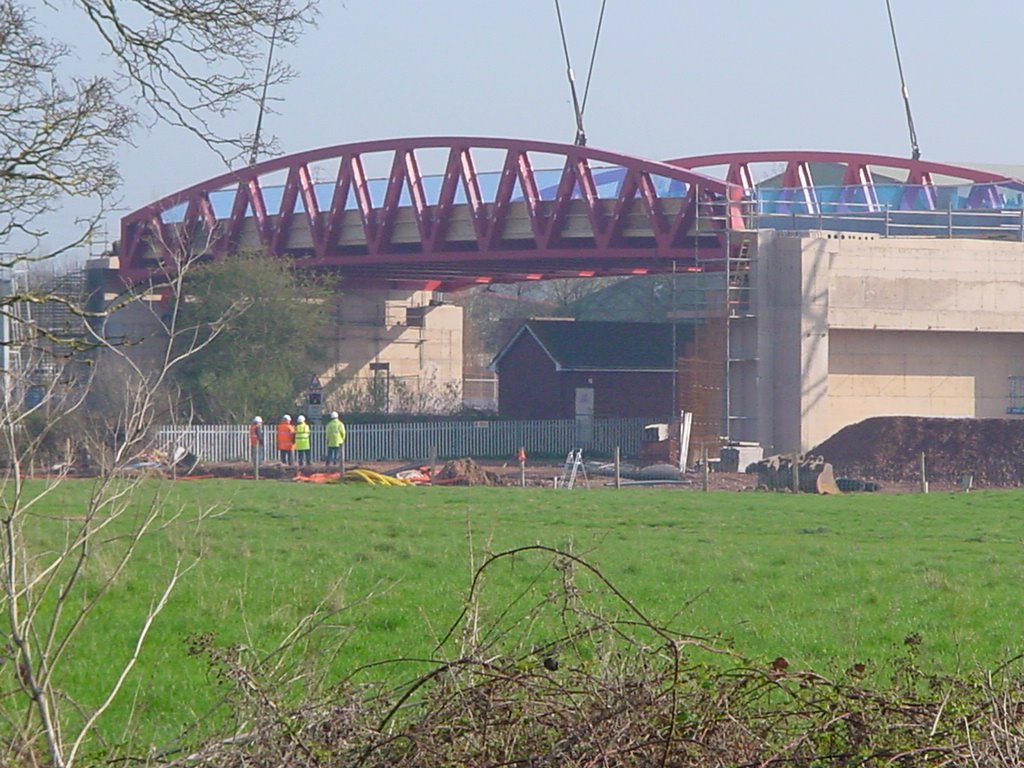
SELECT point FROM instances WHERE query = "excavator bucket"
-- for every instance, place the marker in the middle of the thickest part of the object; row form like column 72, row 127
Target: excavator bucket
column 782, row 473
column 826, row 481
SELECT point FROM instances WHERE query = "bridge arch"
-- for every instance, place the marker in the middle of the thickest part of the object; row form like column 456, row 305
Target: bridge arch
column 593, row 212
column 868, row 182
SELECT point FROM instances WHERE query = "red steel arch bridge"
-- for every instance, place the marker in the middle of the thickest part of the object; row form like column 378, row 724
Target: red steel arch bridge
column 446, row 213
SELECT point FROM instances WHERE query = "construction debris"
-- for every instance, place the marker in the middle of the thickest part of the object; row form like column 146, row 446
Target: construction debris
column 465, row 472
column 319, row 477
column 420, row 476
column 781, row 473
column 370, row 477
column 856, row 485
column 651, row 474
column 179, row 460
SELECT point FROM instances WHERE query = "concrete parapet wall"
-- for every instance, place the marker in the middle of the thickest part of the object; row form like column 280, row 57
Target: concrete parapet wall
column 918, row 284
column 853, row 326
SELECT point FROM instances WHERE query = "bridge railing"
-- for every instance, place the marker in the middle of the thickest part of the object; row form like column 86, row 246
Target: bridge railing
column 883, row 219
column 1005, row 224
column 415, row 441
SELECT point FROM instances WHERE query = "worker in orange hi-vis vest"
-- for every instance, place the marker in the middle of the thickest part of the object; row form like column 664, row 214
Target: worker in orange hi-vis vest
column 286, row 440
column 256, row 442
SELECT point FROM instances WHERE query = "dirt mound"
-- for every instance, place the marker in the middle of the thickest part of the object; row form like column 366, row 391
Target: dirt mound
column 465, row 472
column 890, row 447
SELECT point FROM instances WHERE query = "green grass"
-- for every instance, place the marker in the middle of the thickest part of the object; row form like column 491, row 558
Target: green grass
column 823, row 581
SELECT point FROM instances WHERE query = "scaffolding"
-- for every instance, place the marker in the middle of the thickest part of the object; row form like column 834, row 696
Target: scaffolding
column 15, row 325
column 740, row 334
column 718, row 378
column 41, row 325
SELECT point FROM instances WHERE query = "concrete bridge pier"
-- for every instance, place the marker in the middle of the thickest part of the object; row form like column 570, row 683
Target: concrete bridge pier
column 387, row 350
column 393, row 350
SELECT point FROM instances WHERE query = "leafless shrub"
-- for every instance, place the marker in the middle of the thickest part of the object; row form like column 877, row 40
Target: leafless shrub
column 571, row 673
column 421, row 396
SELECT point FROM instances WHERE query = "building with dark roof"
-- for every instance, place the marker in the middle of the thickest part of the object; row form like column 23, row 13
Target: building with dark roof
column 558, row 369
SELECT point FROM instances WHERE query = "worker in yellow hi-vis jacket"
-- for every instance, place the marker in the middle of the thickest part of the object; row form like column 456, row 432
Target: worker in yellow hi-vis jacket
column 302, row 441
column 335, row 439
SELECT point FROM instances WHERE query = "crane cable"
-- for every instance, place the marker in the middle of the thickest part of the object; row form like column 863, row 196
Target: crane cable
column 255, row 153
column 914, row 149
column 578, row 108
column 593, row 57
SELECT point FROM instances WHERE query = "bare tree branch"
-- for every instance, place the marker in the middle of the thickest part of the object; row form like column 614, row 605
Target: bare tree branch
column 195, row 61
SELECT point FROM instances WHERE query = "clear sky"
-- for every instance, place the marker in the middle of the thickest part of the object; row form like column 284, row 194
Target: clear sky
column 672, row 78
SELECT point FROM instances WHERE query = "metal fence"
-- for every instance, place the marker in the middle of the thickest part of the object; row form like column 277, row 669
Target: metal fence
column 889, row 222
column 791, row 210
column 1016, row 395
column 415, row 441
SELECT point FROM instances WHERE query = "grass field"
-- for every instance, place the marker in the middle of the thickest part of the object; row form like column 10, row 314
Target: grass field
column 823, row 581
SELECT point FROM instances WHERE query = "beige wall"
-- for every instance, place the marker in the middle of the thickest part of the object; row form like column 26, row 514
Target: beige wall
column 421, row 342
column 920, row 373
column 852, row 326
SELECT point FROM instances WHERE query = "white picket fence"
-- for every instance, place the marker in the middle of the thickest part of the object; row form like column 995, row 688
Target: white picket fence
column 414, row 441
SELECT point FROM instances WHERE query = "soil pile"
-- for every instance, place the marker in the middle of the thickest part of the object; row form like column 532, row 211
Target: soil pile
column 465, row 472
column 890, row 448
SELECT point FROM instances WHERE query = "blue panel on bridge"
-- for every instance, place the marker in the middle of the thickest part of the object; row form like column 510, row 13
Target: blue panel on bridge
column 607, row 181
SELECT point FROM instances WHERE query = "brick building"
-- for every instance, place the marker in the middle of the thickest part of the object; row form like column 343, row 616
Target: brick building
column 559, row 369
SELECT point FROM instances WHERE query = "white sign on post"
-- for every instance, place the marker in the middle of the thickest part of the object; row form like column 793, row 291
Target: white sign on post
column 315, row 399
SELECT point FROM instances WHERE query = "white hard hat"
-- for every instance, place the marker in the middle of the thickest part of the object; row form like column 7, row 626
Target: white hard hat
column 286, row 417
column 334, row 414
column 301, row 418
column 258, row 420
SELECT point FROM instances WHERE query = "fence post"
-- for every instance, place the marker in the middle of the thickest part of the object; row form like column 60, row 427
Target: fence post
column 618, row 467
column 705, row 467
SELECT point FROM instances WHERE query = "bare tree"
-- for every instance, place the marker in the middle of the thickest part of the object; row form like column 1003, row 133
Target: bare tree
column 47, row 593
column 568, row 292
column 188, row 63
column 56, row 138
column 193, row 61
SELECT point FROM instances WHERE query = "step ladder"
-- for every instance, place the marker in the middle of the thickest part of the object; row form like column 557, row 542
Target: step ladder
column 572, row 469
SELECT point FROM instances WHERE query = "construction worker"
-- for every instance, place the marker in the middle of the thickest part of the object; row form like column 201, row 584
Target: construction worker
column 302, row 441
column 256, row 439
column 335, row 439
column 286, row 440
